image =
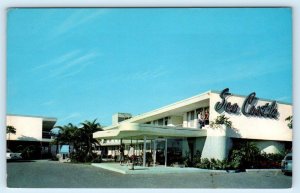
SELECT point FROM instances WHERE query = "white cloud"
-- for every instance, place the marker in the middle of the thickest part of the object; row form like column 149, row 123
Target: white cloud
column 70, row 116
column 76, row 19
column 48, row 103
column 76, row 64
column 57, row 61
column 68, row 64
column 145, row 75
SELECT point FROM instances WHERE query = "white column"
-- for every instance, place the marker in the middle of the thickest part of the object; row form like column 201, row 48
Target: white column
column 144, row 152
column 154, row 153
column 166, row 151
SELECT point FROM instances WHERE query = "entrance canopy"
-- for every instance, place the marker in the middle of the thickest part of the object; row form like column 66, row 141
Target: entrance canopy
column 146, row 132
column 138, row 131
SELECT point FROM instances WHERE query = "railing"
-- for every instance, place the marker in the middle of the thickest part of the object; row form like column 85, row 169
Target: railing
column 46, row 135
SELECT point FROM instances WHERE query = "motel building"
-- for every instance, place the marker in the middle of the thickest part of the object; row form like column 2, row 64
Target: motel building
column 183, row 128
column 31, row 132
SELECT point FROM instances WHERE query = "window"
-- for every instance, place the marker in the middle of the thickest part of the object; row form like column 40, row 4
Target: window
column 200, row 110
column 46, row 135
column 166, row 120
column 160, row 121
column 192, row 115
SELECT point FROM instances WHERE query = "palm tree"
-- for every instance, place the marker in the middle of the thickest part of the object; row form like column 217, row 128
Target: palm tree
column 88, row 128
column 10, row 130
column 290, row 120
column 66, row 135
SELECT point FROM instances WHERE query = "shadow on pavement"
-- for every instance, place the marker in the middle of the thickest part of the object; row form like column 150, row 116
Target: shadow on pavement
column 20, row 161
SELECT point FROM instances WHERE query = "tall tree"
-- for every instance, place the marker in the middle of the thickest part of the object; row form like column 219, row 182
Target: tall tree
column 10, row 130
column 88, row 128
column 67, row 134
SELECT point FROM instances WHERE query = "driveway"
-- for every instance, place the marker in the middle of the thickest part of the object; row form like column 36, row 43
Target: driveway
column 51, row 174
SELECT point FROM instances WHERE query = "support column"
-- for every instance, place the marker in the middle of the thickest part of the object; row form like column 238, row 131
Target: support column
column 166, row 151
column 154, row 153
column 144, row 152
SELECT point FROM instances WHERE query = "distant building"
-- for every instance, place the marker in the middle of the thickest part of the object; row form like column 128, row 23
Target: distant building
column 31, row 131
column 119, row 117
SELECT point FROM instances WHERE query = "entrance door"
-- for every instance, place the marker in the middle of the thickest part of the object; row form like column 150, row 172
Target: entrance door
column 160, row 151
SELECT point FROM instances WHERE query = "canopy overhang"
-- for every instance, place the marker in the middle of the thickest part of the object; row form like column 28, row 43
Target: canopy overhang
column 138, row 131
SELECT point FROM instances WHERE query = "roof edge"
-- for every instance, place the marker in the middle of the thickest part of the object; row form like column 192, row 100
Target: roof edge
column 33, row 116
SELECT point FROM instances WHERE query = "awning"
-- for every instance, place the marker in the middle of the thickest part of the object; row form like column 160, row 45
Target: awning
column 138, row 131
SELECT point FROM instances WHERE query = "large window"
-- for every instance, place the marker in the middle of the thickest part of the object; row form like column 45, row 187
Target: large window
column 163, row 121
column 160, row 121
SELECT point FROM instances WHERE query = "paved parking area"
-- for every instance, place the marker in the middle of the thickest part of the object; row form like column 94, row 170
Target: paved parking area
column 51, row 174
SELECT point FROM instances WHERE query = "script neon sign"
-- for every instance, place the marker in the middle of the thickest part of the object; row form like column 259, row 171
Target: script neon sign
column 249, row 107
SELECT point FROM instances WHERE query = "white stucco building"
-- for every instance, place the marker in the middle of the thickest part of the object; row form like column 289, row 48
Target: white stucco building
column 30, row 131
column 176, row 126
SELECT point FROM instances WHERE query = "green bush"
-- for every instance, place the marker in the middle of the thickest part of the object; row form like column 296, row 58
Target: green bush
column 244, row 155
column 204, row 164
column 214, row 164
column 270, row 160
column 221, row 120
column 81, row 156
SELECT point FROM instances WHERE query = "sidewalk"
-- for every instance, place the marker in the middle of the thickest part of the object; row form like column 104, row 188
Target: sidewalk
column 116, row 167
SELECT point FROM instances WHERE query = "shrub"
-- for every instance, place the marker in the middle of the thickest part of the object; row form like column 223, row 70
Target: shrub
column 221, row 120
column 204, row 164
column 81, row 156
column 244, row 155
column 270, row 160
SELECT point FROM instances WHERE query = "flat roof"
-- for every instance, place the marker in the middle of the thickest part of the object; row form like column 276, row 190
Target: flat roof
column 186, row 101
column 178, row 104
column 34, row 116
column 138, row 131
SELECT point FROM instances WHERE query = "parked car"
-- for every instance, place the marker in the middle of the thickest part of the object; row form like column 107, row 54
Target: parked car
column 286, row 164
column 12, row 156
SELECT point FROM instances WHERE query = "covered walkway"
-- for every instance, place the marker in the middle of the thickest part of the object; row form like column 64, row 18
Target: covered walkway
column 136, row 131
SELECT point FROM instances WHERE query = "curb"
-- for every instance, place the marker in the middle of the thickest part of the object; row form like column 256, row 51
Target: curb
column 263, row 170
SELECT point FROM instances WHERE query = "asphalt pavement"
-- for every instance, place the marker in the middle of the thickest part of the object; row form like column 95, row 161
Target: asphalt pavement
column 52, row 174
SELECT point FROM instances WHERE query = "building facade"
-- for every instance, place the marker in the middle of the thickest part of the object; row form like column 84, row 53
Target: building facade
column 31, row 132
column 185, row 127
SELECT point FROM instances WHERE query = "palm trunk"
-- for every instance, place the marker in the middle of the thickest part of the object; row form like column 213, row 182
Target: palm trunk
column 56, row 147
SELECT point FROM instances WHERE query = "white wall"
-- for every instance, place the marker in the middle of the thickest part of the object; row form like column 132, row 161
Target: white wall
column 256, row 127
column 270, row 146
column 216, row 145
column 27, row 128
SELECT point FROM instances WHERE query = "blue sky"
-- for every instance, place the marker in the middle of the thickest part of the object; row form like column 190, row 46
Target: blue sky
column 82, row 64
